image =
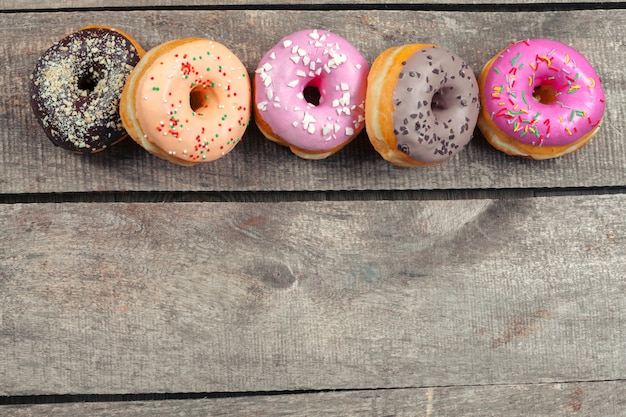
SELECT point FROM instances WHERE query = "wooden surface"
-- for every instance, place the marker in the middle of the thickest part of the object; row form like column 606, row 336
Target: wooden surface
column 266, row 285
column 259, row 165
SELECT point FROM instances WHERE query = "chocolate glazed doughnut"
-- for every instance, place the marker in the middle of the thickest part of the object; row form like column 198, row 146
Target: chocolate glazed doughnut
column 422, row 105
column 76, row 85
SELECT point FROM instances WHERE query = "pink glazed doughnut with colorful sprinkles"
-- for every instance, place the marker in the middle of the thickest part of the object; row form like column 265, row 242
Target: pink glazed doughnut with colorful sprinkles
column 309, row 93
column 540, row 99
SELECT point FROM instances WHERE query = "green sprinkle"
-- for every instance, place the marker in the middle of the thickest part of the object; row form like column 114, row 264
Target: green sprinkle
column 208, row 68
column 514, row 60
column 155, row 88
column 497, row 71
column 524, row 98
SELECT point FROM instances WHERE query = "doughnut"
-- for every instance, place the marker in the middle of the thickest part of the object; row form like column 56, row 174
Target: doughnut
column 187, row 101
column 421, row 106
column 309, row 93
column 76, row 85
column 540, row 99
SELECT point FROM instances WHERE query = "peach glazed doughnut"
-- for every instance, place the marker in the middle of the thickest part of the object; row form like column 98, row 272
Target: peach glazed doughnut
column 187, row 101
column 76, row 85
column 421, row 106
column 310, row 93
column 540, row 99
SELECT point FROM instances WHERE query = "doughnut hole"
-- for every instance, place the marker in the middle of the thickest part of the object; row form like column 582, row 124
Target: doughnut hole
column 201, row 98
column 87, row 83
column 545, row 93
column 312, row 93
column 441, row 99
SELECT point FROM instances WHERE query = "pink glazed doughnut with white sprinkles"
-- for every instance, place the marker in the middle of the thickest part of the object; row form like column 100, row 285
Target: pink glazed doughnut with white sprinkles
column 309, row 93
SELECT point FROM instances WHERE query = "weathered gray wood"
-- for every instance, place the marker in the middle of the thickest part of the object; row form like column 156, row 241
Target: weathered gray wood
column 86, row 4
column 212, row 297
column 30, row 164
column 537, row 400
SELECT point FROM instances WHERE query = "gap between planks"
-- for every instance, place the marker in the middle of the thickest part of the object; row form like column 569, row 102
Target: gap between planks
column 289, row 196
column 154, row 397
column 478, row 7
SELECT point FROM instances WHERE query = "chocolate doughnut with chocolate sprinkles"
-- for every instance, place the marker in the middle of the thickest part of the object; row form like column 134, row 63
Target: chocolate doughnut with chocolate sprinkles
column 76, row 85
column 422, row 105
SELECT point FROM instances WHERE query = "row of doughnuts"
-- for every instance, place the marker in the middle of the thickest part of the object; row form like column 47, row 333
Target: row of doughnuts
column 191, row 100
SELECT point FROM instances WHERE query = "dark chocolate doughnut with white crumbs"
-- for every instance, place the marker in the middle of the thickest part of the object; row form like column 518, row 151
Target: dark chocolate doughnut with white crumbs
column 421, row 106
column 76, row 85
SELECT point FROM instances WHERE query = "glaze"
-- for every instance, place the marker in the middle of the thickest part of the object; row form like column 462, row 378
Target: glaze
column 76, row 84
column 542, row 93
column 188, row 101
column 422, row 104
column 311, row 60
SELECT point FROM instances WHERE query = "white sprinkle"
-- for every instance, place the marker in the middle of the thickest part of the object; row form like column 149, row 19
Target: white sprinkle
column 344, row 87
column 267, row 66
column 287, row 43
column 262, row 106
column 358, row 66
column 270, row 93
column 300, row 96
column 301, row 73
column 335, row 103
column 294, row 124
column 301, row 52
column 273, row 55
column 293, row 83
column 294, row 49
column 306, row 60
column 345, row 99
column 349, row 131
column 311, row 129
column 295, row 58
column 277, row 105
column 326, row 129
column 314, row 35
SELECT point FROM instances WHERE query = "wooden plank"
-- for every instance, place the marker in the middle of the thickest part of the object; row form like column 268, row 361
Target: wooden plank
column 549, row 400
column 30, row 164
column 9, row 5
column 236, row 297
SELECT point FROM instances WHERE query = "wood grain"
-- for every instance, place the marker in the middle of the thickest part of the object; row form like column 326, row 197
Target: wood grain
column 232, row 297
column 30, row 164
column 95, row 4
column 537, row 400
